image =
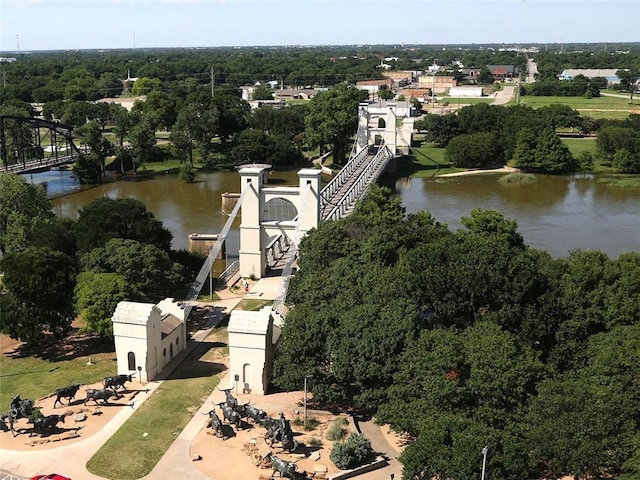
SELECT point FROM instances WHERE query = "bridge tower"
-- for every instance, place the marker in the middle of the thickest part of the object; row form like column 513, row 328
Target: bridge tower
column 269, row 212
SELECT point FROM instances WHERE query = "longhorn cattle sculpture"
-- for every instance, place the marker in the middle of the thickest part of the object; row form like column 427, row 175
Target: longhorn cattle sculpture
column 99, row 394
column 44, row 425
column 68, row 392
column 284, row 468
column 216, row 423
column 230, row 415
column 279, row 430
column 230, row 400
column 249, row 411
column 118, row 381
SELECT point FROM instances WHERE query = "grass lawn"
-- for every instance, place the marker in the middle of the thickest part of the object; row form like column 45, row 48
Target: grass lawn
column 579, row 145
column 581, row 103
column 426, row 161
column 163, row 416
column 38, row 376
column 466, row 101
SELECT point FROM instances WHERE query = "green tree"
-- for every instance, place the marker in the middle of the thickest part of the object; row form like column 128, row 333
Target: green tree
column 233, row 114
column 262, row 92
column 474, row 150
column 629, row 80
column 149, row 272
column 40, row 284
column 542, row 152
column 106, row 218
column 144, row 85
column 585, row 161
column 442, row 128
column 332, row 119
column 96, row 298
column 385, row 93
column 142, row 138
column 21, row 204
column 99, row 148
column 492, row 223
column 194, row 128
column 612, row 138
column 485, row 76
column 626, row 162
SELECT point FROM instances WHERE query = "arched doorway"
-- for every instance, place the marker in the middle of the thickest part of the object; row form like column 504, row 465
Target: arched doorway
column 131, row 361
column 246, row 376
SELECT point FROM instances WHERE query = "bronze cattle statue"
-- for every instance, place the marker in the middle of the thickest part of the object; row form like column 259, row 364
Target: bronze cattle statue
column 99, row 394
column 285, row 469
column 118, row 381
column 45, row 425
column 66, row 392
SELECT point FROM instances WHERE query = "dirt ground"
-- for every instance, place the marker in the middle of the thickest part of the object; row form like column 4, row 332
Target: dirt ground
column 239, row 453
column 81, row 421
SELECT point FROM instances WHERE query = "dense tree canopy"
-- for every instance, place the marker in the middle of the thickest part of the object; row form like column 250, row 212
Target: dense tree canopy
column 22, row 205
column 40, row 294
column 332, row 119
column 469, row 339
column 106, row 218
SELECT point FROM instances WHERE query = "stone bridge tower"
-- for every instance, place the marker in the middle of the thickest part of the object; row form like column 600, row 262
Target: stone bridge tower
column 268, row 212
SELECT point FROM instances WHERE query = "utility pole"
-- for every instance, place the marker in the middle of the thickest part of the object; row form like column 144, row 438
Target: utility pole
column 518, row 90
column 18, row 41
column 212, row 81
column 484, row 461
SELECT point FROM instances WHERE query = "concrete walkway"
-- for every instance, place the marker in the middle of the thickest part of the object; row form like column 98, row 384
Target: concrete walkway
column 70, row 460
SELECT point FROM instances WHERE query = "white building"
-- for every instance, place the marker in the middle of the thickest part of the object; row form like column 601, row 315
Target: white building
column 466, row 92
column 147, row 337
column 251, row 349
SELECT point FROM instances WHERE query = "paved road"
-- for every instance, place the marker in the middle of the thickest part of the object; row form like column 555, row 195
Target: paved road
column 504, row 96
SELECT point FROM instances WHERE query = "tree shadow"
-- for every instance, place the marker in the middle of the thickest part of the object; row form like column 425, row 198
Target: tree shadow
column 73, row 346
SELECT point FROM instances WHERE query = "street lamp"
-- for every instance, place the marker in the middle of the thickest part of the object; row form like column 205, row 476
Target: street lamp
column 305, row 397
column 484, row 460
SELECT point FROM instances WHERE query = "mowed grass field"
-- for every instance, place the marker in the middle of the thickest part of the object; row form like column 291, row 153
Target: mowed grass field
column 579, row 145
column 466, row 101
column 599, row 107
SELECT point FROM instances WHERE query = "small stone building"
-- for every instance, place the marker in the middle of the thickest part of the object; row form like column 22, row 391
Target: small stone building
column 250, row 350
column 147, row 336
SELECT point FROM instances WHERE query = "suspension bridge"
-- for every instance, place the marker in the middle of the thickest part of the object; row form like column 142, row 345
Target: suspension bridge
column 266, row 242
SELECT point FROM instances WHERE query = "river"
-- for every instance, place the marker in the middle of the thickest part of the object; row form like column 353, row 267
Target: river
column 556, row 213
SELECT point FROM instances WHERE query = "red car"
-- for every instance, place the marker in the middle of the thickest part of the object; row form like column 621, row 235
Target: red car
column 51, row 476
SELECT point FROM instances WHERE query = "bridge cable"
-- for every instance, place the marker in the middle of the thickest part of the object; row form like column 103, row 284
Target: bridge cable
column 205, row 271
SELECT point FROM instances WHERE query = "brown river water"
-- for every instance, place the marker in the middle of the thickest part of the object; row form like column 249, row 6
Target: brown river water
column 556, row 213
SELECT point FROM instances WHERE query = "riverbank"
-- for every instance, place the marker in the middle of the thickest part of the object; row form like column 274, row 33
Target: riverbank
column 480, row 171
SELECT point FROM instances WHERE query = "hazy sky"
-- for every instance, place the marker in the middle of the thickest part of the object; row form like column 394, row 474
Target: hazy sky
column 27, row 25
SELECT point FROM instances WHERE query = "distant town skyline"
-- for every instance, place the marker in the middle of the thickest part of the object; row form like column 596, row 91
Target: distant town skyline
column 32, row 25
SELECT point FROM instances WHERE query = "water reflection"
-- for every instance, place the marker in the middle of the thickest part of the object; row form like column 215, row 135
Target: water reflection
column 556, row 213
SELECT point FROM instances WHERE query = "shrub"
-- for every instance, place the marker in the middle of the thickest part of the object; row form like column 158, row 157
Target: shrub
column 336, row 431
column 187, row 174
column 315, row 442
column 351, row 453
column 518, row 178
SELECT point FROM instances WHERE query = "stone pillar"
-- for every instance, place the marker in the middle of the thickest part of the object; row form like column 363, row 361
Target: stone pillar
column 363, row 125
column 252, row 256
column 310, row 217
